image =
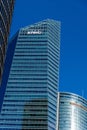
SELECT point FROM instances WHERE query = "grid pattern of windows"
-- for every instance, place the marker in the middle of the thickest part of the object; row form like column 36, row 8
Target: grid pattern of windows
column 72, row 112
column 30, row 100
column 6, row 8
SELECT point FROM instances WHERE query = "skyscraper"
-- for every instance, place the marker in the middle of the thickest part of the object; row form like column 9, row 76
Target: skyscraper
column 6, row 8
column 30, row 100
column 71, row 112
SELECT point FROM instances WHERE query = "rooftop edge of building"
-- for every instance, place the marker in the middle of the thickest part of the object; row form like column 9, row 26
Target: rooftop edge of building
column 41, row 22
column 73, row 94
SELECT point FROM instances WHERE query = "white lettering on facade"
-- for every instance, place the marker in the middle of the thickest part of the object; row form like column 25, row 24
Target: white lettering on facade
column 34, row 32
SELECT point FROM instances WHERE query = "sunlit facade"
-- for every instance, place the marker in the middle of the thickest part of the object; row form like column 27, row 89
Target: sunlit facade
column 6, row 9
column 30, row 100
column 71, row 112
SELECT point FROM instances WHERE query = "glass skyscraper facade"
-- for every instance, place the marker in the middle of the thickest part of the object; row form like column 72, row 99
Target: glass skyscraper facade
column 71, row 112
column 30, row 100
column 6, row 8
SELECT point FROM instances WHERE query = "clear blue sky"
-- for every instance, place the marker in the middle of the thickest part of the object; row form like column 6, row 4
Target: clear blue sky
column 73, row 17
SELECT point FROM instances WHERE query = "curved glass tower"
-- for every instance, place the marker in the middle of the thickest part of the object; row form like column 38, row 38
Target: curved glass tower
column 72, row 112
column 30, row 100
column 6, row 8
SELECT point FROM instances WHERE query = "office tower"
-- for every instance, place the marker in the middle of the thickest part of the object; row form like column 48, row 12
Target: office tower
column 30, row 100
column 71, row 112
column 6, row 8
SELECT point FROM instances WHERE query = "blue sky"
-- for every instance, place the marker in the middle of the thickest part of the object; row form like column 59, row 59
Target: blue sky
column 73, row 17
